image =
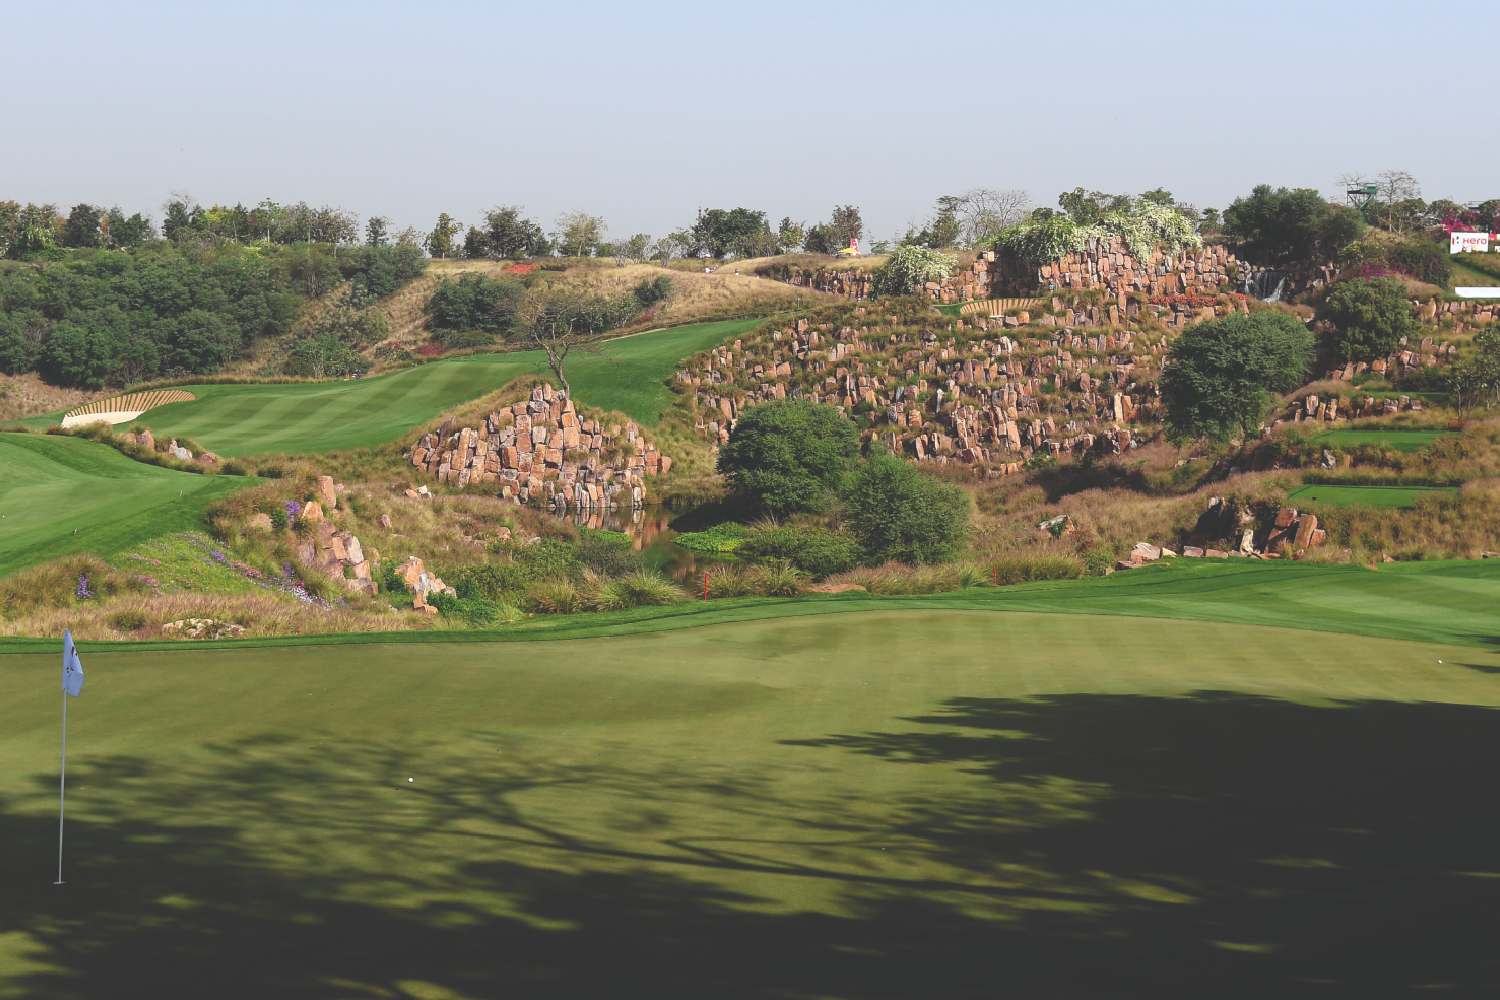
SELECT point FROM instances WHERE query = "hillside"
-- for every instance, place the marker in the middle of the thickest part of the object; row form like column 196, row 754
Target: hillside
column 61, row 495
column 310, row 417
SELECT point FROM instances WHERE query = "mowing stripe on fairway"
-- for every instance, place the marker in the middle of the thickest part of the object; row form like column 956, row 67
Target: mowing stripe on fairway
column 300, row 418
column 61, row 495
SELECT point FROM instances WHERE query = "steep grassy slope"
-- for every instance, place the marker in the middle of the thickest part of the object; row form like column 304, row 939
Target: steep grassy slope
column 910, row 804
column 62, row 495
column 294, row 418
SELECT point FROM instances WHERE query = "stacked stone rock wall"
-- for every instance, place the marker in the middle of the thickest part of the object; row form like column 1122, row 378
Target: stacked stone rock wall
column 990, row 400
column 541, row 451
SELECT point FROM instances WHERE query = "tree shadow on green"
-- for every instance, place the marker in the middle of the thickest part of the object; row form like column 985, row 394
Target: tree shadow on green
column 1214, row 845
column 1267, row 846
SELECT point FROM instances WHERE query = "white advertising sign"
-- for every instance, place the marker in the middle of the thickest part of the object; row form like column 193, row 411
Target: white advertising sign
column 1468, row 242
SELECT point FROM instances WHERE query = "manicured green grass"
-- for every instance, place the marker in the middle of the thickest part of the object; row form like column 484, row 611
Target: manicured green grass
column 61, row 495
column 302, row 418
column 1399, row 438
column 1366, row 496
column 900, row 804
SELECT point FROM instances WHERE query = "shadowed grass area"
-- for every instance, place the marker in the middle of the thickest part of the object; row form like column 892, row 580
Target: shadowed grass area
column 1450, row 602
column 308, row 417
column 1366, row 496
column 61, row 495
column 885, row 805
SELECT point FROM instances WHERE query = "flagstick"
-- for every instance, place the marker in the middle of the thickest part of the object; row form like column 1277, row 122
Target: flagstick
column 62, row 777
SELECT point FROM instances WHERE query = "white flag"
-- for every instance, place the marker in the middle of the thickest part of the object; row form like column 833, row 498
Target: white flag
column 72, row 675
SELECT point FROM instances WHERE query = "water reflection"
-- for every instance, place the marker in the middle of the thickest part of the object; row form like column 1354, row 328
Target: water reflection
column 651, row 534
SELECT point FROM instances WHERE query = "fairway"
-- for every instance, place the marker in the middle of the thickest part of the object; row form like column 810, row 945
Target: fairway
column 60, row 495
column 308, row 417
column 1398, row 438
column 889, row 804
column 1366, row 496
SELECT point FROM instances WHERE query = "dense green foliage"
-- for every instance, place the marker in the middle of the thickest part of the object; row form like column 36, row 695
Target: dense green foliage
column 100, row 317
column 789, row 455
column 1290, row 227
column 909, row 268
column 376, row 271
column 898, row 512
column 816, row 551
column 1419, row 257
column 650, row 292
column 1369, row 318
column 474, row 302
column 1474, row 382
column 720, row 539
column 1220, row 376
column 1145, row 226
column 113, row 317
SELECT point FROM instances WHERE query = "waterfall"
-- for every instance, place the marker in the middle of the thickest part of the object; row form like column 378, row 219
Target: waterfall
column 1266, row 285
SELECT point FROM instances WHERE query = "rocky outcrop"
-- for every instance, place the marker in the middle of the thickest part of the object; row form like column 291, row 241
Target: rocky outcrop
column 422, row 584
column 1259, row 532
column 542, row 451
column 991, row 401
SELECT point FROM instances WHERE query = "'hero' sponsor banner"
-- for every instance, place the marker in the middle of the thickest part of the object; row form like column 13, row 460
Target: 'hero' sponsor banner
column 1468, row 242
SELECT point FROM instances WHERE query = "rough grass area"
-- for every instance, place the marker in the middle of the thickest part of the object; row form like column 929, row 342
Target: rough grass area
column 1447, row 602
column 911, row 804
column 60, row 495
column 307, row 417
column 1399, row 438
column 1366, row 496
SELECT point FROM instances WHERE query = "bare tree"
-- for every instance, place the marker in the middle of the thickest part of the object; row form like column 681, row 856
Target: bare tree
column 1396, row 186
column 565, row 321
column 983, row 212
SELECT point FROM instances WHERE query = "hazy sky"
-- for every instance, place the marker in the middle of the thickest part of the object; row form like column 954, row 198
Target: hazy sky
column 644, row 112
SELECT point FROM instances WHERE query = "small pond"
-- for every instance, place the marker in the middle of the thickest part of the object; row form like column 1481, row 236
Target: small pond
column 651, row 533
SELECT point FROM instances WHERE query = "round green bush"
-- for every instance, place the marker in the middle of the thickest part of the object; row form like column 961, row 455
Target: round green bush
column 789, row 455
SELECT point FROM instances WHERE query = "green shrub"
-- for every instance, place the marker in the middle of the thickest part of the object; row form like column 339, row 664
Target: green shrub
column 909, row 268
column 554, row 597
column 789, row 455
column 1098, row 560
column 608, row 553
column 1369, row 318
column 547, row 559
column 474, row 303
column 896, row 512
column 721, row 539
column 651, row 291
column 490, row 581
column 779, row 579
column 638, row 590
column 477, row 612
column 1029, row 569
column 127, row 621
column 817, row 551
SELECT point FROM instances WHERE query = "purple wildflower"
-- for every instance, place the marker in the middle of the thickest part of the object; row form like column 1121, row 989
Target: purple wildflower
column 218, row 556
column 82, row 591
column 293, row 509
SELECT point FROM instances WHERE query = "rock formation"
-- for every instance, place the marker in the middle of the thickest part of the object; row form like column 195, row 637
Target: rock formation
column 541, row 451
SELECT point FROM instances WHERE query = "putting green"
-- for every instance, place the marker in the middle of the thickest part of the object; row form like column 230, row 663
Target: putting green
column 60, row 495
column 1366, row 496
column 300, row 418
column 894, row 804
